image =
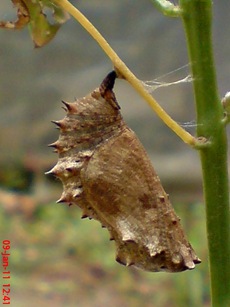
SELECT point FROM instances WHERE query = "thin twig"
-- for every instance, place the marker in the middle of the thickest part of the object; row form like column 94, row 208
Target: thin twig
column 125, row 72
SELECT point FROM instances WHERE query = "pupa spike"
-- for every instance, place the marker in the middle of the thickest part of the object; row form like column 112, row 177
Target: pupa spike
column 54, row 171
column 57, row 146
column 62, row 199
column 50, row 172
column 84, row 216
column 119, row 260
column 70, row 107
column 54, row 145
column 197, row 260
column 58, row 123
column 129, row 263
column 66, row 104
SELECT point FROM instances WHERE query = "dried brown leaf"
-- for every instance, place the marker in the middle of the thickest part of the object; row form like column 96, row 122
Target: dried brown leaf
column 32, row 13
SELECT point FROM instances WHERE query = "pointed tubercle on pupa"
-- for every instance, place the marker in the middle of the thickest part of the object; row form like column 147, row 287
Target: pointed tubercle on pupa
column 56, row 145
column 129, row 262
column 59, row 123
column 62, row 199
column 106, row 89
column 54, row 171
column 70, row 107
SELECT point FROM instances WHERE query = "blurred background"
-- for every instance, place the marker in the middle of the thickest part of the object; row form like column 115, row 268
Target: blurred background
column 57, row 258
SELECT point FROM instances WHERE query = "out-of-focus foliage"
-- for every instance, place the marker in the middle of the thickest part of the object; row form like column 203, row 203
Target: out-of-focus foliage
column 42, row 17
column 57, row 259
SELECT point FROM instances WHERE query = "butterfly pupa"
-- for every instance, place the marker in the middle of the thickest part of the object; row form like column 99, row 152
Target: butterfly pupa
column 106, row 171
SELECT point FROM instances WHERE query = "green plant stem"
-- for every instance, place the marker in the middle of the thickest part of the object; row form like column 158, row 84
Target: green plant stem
column 197, row 17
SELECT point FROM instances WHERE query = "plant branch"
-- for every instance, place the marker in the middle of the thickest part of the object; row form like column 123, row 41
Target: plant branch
column 197, row 18
column 167, row 8
column 125, row 72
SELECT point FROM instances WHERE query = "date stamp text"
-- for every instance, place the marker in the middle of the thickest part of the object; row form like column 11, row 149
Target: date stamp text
column 5, row 272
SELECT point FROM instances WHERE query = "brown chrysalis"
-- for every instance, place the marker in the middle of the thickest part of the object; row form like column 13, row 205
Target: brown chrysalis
column 107, row 173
